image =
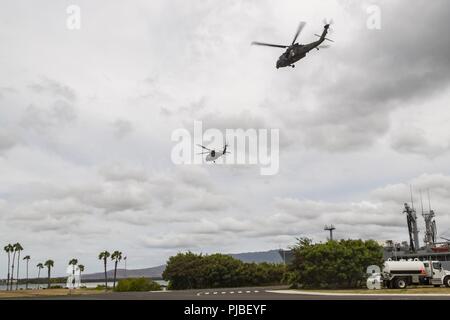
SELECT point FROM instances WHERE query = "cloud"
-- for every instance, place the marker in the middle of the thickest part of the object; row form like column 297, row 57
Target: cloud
column 7, row 141
column 85, row 145
column 363, row 80
column 414, row 141
column 175, row 241
column 54, row 88
column 119, row 172
column 60, row 113
column 122, row 128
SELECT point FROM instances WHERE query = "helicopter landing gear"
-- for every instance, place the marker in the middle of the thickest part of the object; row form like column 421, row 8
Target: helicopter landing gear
column 293, row 65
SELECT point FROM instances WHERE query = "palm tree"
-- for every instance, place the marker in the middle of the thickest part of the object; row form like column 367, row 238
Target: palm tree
column 15, row 247
column 8, row 248
column 116, row 257
column 19, row 248
column 81, row 268
column 28, row 259
column 49, row 264
column 104, row 255
column 40, row 266
column 73, row 262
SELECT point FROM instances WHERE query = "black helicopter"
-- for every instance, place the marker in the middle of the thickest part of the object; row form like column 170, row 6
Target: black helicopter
column 296, row 51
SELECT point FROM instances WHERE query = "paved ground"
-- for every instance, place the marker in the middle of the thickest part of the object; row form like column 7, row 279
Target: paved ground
column 253, row 293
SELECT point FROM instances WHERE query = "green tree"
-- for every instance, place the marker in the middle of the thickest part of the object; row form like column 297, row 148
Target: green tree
column 116, row 257
column 27, row 258
column 81, row 267
column 49, row 264
column 334, row 264
column 73, row 262
column 8, row 248
column 192, row 271
column 39, row 266
column 18, row 248
column 139, row 284
column 104, row 255
column 183, row 271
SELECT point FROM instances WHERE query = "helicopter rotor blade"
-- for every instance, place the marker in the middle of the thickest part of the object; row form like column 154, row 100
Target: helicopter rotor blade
column 203, row 153
column 203, row 147
column 317, row 35
column 330, row 22
column 299, row 29
column 268, row 44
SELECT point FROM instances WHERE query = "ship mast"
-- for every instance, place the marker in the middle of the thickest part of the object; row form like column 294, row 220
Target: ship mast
column 411, row 219
column 430, row 224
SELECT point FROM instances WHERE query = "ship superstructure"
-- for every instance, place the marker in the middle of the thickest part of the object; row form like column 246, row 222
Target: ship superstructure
column 432, row 249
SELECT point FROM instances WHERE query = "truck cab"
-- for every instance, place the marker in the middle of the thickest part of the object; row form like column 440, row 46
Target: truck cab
column 435, row 272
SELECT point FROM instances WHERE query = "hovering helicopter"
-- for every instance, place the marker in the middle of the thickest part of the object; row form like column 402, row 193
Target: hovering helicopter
column 296, row 51
column 213, row 155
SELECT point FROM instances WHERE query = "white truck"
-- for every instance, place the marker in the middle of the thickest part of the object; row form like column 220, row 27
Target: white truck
column 400, row 274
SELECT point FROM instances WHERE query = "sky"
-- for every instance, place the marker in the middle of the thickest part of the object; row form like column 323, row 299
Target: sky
column 86, row 118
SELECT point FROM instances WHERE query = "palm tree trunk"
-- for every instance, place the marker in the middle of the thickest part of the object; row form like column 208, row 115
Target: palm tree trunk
column 39, row 275
column 12, row 271
column 73, row 276
column 106, row 277
column 18, row 265
column 9, row 267
column 115, row 273
column 26, row 285
column 48, row 285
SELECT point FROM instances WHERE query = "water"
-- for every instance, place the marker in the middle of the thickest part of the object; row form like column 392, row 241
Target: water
column 86, row 284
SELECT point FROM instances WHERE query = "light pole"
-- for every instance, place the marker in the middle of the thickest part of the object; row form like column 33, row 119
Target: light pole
column 125, row 259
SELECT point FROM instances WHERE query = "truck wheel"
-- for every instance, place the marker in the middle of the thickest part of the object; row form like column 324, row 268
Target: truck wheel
column 447, row 281
column 400, row 283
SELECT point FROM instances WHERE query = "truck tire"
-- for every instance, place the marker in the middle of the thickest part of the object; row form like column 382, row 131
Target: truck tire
column 401, row 283
column 447, row 281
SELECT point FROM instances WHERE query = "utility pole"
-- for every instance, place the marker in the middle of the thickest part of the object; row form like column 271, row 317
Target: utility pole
column 125, row 259
column 330, row 228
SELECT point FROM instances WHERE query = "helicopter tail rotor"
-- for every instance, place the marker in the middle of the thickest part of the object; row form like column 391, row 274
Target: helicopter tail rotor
column 328, row 24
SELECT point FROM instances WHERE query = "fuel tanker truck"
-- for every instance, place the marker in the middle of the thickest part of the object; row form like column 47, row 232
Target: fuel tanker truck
column 400, row 274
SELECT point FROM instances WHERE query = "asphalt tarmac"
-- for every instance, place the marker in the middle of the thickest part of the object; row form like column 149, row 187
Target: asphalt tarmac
column 251, row 293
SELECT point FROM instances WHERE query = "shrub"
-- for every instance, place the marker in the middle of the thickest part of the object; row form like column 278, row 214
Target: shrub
column 100, row 287
column 56, row 287
column 195, row 271
column 137, row 284
column 334, row 264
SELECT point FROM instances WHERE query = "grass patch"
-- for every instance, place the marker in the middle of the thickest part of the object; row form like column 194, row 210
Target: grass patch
column 137, row 284
column 412, row 290
column 44, row 293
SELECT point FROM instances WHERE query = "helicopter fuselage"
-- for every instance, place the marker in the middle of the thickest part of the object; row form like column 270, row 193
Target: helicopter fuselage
column 296, row 52
column 214, row 155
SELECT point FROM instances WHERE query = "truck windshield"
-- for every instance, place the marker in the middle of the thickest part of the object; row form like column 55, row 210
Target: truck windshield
column 436, row 265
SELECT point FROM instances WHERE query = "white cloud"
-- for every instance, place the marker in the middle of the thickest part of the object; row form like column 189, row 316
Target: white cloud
column 86, row 121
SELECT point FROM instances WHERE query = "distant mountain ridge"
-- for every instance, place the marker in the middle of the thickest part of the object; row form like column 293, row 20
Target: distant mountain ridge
column 271, row 256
